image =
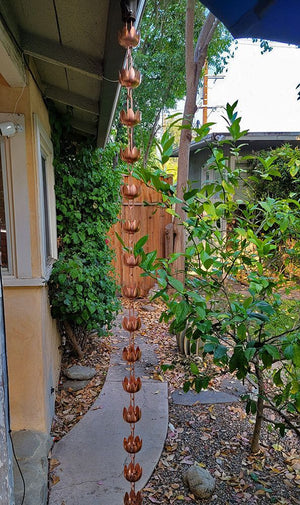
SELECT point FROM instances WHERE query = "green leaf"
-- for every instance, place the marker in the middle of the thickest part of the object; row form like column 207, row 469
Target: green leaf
column 277, row 378
column 249, row 353
column 288, row 351
column 190, row 194
column 186, row 386
column 176, row 284
column 194, row 369
column 229, row 188
column 266, row 358
column 120, row 240
column 62, row 278
column 254, row 477
column 182, row 310
column 272, row 350
column 209, row 347
column 166, row 367
column 296, row 355
column 140, row 243
column 201, row 383
column 220, row 352
column 238, row 361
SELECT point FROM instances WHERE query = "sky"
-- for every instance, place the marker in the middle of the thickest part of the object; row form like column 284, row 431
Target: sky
column 264, row 86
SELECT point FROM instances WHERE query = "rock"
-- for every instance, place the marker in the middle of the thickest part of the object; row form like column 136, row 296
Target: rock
column 148, row 308
column 200, row 481
column 80, row 373
column 205, row 397
column 32, row 449
column 74, row 385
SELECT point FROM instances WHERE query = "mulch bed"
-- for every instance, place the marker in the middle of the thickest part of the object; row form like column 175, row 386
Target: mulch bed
column 71, row 406
column 215, row 436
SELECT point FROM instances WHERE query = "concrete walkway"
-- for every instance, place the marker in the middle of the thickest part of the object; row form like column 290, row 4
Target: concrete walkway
column 92, row 456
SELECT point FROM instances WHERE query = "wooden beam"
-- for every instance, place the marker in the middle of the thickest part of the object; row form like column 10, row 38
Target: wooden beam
column 12, row 66
column 53, row 52
column 66, row 97
column 84, row 127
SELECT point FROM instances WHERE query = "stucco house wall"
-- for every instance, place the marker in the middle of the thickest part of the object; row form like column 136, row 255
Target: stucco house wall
column 32, row 338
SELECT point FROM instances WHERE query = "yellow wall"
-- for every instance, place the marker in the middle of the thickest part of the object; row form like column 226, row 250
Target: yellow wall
column 33, row 357
column 32, row 337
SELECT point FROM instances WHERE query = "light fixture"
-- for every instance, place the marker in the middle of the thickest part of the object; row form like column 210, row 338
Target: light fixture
column 8, row 128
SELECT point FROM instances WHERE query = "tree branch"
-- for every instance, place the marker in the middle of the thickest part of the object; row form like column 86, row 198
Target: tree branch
column 284, row 417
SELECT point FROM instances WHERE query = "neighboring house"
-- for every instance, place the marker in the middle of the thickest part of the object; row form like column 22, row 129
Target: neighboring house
column 199, row 174
column 67, row 52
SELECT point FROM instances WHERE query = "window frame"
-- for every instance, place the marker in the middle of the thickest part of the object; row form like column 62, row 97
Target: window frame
column 14, row 161
column 7, row 193
column 46, row 183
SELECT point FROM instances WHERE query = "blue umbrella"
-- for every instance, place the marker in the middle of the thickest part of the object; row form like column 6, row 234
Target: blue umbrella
column 277, row 20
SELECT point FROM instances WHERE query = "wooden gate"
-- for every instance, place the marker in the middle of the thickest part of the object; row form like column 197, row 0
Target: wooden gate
column 153, row 221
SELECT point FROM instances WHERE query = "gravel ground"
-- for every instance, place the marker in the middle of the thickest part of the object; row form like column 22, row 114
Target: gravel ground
column 218, row 438
column 215, row 436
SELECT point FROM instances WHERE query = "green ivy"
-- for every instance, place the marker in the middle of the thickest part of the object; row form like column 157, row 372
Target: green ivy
column 82, row 288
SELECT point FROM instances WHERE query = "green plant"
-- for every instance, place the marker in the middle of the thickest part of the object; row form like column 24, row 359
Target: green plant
column 274, row 173
column 160, row 59
column 239, row 332
column 82, row 289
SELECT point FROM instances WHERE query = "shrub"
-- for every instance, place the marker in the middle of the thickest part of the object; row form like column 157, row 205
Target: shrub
column 82, row 289
column 242, row 333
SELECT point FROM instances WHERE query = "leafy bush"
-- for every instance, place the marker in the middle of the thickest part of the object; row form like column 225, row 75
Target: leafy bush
column 82, row 289
column 284, row 164
column 242, row 333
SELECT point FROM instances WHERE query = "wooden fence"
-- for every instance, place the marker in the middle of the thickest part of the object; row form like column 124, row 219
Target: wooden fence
column 153, row 221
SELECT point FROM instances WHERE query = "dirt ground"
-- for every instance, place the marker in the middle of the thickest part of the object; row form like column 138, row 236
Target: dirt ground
column 215, row 436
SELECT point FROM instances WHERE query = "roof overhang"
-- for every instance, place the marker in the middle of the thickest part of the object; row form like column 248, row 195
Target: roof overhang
column 253, row 141
column 72, row 49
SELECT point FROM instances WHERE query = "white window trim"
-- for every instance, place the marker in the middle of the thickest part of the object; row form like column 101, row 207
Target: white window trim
column 7, row 189
column 13, row 154
column 44, row 145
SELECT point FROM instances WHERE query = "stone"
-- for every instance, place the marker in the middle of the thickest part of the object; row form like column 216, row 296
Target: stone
column 148, row 308
column 80, row 373
column 74, row 385
column 200, row 481
column 204, row 397
column 32, row 449
column 233, row 386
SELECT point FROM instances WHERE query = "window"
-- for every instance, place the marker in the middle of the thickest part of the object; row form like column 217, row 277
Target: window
column 14, row 206
column 47, row 214
column 3, row 219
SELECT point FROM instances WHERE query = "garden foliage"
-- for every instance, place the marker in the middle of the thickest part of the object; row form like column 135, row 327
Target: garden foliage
column 81, row 287
column 231, row 240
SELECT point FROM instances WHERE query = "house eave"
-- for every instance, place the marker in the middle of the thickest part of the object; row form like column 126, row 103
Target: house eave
column 250, row 138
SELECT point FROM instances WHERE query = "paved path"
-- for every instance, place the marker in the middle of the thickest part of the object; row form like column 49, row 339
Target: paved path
column 91, row 455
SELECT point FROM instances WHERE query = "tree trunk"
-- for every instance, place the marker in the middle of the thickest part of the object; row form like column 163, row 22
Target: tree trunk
column 73, row 339
column 259, row 410
column 194, row 62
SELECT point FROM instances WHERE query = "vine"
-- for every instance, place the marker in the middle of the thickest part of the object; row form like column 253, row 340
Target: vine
column 82, row 289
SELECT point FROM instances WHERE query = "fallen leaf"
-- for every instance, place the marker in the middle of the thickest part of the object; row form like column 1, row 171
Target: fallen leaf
column 54, row 463
column 55, row 479
column 277, row 447
column 153, row 500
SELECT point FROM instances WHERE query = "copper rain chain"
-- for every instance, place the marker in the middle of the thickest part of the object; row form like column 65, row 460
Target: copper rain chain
column 130, row 78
